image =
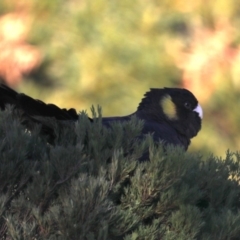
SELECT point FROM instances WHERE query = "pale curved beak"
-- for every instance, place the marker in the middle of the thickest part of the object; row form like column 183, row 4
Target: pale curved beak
column 199, row 110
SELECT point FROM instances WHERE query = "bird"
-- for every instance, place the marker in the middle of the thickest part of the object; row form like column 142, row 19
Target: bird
column 172, row 116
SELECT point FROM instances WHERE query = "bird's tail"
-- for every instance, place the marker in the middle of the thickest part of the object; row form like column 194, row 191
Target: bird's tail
column 33, row 107
column 7, row 96
column 52, row 119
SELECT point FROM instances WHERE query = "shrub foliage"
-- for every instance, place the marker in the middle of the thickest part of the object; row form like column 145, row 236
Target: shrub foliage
column 90, row 185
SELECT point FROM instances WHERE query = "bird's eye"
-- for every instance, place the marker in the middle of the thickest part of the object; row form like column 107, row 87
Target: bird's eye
column 187, row 105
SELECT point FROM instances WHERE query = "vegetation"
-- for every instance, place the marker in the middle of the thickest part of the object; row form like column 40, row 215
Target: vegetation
column 95, row 188
column 78, row 53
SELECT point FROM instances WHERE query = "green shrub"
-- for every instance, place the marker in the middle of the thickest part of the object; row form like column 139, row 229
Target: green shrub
column 95, row 188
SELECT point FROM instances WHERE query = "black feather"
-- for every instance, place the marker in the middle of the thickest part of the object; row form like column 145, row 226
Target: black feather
column 174, row 126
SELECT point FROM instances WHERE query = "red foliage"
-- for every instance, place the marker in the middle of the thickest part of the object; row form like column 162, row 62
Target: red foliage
column 17, row 57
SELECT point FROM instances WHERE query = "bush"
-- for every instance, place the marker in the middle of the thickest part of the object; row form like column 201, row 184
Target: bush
column 95, row 188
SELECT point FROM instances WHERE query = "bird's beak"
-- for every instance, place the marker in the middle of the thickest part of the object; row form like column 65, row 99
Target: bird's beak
column 199, row 110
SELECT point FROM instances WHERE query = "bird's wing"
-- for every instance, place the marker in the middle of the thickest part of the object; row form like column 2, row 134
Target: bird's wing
column 107, row 121
column 163, row 132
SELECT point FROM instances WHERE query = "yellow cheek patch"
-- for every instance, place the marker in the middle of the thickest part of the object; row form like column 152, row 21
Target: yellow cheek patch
column 168, row 107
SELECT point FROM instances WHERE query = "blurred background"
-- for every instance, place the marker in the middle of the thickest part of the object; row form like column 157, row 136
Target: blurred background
column 76, row 53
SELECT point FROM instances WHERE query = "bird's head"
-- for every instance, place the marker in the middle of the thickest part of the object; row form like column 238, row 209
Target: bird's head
column 175, row 106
